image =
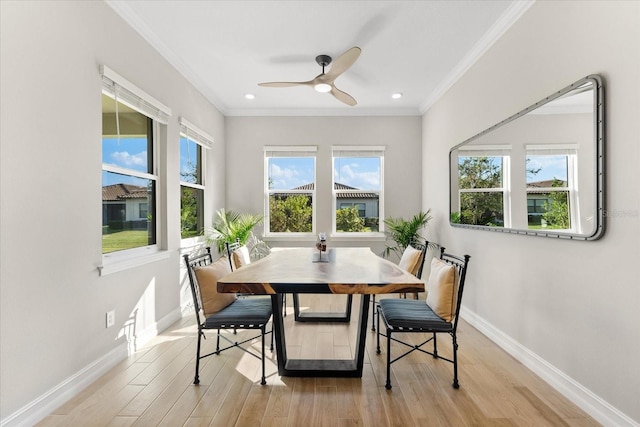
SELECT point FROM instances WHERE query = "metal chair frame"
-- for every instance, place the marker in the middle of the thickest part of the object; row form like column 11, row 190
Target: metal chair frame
column 430, row 326
column 235, row 323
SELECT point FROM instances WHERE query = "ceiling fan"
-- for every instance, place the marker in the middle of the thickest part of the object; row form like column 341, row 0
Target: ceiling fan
column 324, row 82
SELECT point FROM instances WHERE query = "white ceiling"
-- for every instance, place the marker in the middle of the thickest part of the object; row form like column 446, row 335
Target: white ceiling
column 225, row 48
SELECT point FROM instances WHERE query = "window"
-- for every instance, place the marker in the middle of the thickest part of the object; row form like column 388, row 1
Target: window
column 289, row 187
column 551, row 186
column 192, row 188
column 483, row 184
column 130, row 120
column 358, row 182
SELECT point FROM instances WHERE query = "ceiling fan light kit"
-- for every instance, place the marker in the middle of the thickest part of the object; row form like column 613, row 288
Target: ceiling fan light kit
column 324, row 82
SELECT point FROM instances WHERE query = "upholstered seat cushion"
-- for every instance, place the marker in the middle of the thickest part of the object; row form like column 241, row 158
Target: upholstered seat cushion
column 412, row 314
column 441, row 289
column 410, row 260
column 252, row 311
column 240, row 257
column 207, row 277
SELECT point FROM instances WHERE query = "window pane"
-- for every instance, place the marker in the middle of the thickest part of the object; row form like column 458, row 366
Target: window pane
column 190, row 161
column 290, row 213
column 128, row 219
column 479, row 172
column 544, row 170
column 357, row 183
column 191, row 209
column 134, row 148
column 549, row 210
column 358, row 215
column 361, row 173
column 286, row 173
column 482, row 208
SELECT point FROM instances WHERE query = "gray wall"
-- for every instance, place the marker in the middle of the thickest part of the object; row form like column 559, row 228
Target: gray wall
column 53, row 302
column 245, row 161
column 573, row 305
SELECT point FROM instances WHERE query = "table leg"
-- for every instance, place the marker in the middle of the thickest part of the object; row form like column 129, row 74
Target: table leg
column 308, row 316
column 351, row 368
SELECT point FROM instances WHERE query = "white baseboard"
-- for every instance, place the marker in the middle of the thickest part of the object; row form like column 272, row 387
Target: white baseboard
column 45, row 404
column 42, row 406
column 585, row 399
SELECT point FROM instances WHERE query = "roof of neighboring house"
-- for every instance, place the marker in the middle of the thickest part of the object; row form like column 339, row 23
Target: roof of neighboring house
column 337, row 186
column 542, row 185
column 119, row 192
column 547, row 183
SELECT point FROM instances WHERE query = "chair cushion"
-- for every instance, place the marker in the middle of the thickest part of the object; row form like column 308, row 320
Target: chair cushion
column 410, row 260
column 207, row 277
column 441, row 289
column 411, row 314
column 240, row 257
column 244, row 312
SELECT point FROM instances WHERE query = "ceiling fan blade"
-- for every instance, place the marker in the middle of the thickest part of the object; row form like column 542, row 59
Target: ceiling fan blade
column 343, row 96
column 342, row 63
column 285, row 84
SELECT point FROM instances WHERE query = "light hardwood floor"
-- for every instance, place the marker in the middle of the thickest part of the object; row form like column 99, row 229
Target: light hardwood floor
column 154, row 386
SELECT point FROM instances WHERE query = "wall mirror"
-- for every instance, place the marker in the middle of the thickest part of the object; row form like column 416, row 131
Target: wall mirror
column 539, row 172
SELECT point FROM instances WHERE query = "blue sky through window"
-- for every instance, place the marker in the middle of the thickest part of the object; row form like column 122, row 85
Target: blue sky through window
column 362, row 173
column 550, row 167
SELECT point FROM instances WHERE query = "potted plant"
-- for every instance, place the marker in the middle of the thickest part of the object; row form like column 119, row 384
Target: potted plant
column 230, row 226
column 404, row 232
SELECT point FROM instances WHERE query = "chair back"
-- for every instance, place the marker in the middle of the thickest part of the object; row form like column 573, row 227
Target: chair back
column 192, row 262
column 230, row 248
column 460, row 264
column 422, row 247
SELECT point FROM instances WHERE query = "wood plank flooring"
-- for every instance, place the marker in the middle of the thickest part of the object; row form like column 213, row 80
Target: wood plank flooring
column 154, row 386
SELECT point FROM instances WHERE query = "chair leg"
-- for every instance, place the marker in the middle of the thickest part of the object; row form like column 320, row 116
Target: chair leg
column 388, row 384
column 284, row 305
column 455, row 362
column 378, row 335
column 373, row 314
column 218, row 342
column 264, row 381
column 435, row 346
column 196, row 379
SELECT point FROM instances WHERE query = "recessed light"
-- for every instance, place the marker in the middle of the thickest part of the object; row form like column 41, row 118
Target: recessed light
column 396, row 95
column 249, row 96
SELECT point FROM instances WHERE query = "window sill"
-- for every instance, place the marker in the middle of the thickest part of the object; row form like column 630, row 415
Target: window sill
column 297, row 237
column 116, row 264
column 375, row 237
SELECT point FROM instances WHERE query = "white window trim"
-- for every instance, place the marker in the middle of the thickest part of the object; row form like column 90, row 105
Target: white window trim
column 493, row 151
column 571, row 151
column 289, row 151
column 357, row 151
column 123, row 91
column 193, row 133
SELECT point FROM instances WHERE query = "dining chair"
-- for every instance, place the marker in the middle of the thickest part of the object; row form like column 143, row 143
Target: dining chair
column 437, row 315
column 412, row 260
column 239, row 255
column 220, row 311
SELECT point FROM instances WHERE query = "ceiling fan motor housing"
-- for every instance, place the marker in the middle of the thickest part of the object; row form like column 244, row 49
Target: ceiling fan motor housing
column 323, row 60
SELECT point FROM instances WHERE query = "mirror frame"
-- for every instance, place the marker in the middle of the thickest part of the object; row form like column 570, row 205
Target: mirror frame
column 598, row 132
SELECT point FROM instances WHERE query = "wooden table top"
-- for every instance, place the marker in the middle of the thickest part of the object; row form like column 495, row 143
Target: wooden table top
column 347, row 271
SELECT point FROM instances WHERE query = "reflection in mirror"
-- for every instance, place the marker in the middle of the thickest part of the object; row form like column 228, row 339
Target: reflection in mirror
column 539, row 172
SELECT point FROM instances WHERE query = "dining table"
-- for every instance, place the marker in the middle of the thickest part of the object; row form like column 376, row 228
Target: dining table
column 340, row 270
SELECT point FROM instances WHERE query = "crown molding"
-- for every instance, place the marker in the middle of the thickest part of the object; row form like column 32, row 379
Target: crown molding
column 508, row 18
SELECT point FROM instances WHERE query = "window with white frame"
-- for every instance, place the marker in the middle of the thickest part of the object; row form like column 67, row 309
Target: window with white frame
column 358, row 188
column 551, row 186
column 193, row 142
column 130, row 172
column 483, row 186
column 289, row 188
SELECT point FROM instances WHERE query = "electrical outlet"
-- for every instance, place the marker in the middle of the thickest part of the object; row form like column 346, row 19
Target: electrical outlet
column 111, row 318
